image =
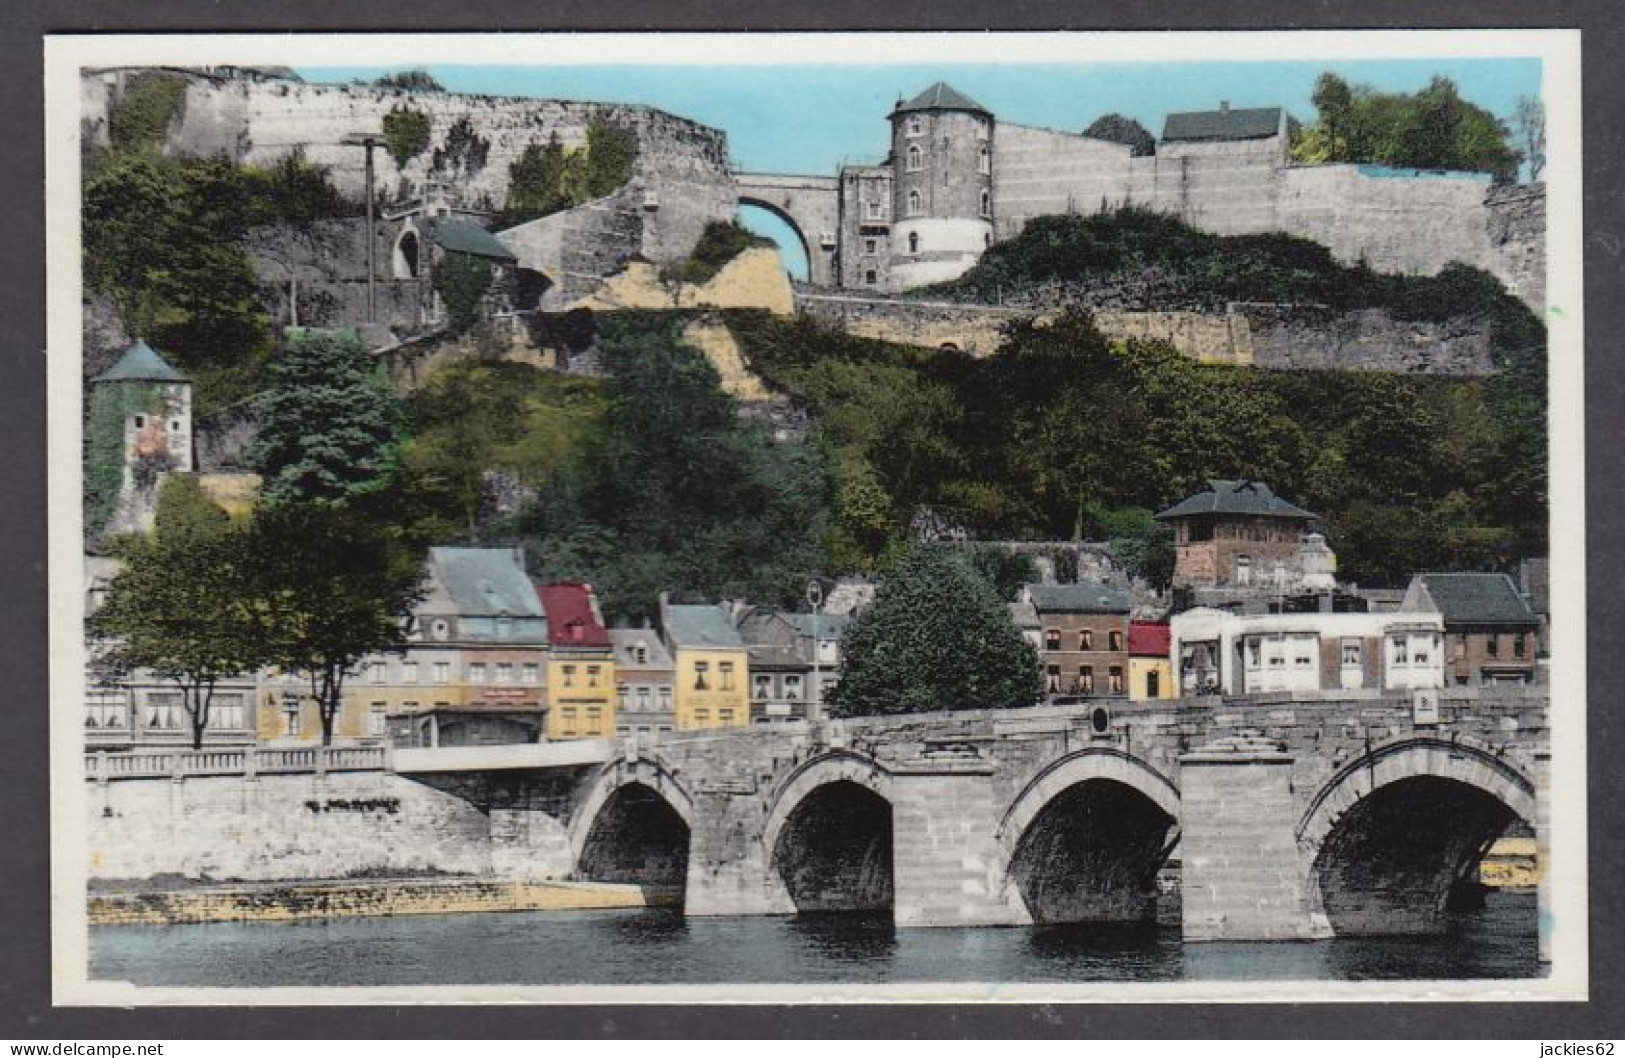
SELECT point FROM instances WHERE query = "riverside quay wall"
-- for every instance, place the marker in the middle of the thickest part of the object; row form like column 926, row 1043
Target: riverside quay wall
column 1288, row 816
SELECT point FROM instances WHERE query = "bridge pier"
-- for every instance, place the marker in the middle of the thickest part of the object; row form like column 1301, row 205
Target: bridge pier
column 730, row 871
column 946, row 864
column 1241, row 875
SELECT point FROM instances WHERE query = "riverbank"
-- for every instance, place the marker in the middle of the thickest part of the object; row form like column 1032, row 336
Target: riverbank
column 138, row 904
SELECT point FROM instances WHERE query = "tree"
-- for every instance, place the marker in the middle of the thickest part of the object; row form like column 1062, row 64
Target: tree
column 1529, row 132
column 1005, row 570
column 328, row 420
column 418, row 80
column 536, row 183
column 181, row 607
column 406, row 133
column 936, row 637
column 330, row 586
column 1118, row 128
column 295, row 201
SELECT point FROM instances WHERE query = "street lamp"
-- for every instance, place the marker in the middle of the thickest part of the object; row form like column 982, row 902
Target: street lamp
column 815, row 599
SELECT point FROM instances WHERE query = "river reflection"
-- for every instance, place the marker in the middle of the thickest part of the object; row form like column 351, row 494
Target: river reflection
column 659, row 946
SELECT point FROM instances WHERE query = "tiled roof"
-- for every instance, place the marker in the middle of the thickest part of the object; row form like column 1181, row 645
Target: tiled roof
column 571, row 619
column 140, row 364
column 1077, row 598
column 942, row 96
column 1223, row 124
column 1477, row 598
column 625, row 640
column 1236, row 497
column 465, row 237
column 486, row 581
column 1023, row 614
column 1148, row 639
column 700, row 626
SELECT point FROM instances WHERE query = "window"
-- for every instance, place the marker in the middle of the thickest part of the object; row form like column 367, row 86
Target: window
column 376, row 719
column 915, row 158
column 764, row 688
column 871, row 246
column 476, row 673
column 877, row 211
column 915, row 127
column 987, row 239
column 1086, row 639
column 1086, row 679
column 640, row 653
column 505, row 672
column 1052, row 639
column 870, row 278
column 1351, row 652
column 913, row 242
column 702, row 669
column 1054, row 684
column 1115, row 678
column 409, row 672
column 984, row 163
column 567, row 721
column 1255, row 654
column 913, row 203
column 567, row 675
column 725, row 717
column 228, row 712
column 663, row 696
column 1244, row 570
column 592, row 675
column 504, row 628
column 530, row 672
column 140, row 422
column 290, row 720
column 702, row 717
column 1401, row 651
column 1520, row 645
column 987, row 204
column 1492, row 646
column 622, row 695
column 1153, row 684
column 1116, row 640
column 1303, row 661
column 792, row 688
column 442, row 672
column 727, row 670
column 375, row 672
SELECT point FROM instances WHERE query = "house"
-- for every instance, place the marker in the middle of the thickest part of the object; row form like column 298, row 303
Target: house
column 580, row 698
column 1218, row 652
column 1150, row 670
column 1240, row 534
column 1084, row 637
column 1491, row 631
column 795, row 658
column 711, row 669
column 643, row 682
column 471, row 672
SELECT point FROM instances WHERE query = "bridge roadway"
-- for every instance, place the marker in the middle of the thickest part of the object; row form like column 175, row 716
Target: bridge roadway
column 1289, row 817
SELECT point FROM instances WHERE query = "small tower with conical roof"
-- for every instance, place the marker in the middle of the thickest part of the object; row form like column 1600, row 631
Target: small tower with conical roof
column 942, row 161
column 140, row 430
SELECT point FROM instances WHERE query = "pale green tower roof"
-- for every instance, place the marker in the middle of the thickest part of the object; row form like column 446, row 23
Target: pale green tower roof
column 140, row 364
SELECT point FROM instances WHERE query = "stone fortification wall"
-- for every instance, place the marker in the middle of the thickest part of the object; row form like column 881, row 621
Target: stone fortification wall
column 1041, row 171
column 1518, row 237
column 1297, row 337
column 281, row 826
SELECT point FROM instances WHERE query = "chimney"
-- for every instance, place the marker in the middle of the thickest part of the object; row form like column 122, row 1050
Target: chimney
column 1224, row 105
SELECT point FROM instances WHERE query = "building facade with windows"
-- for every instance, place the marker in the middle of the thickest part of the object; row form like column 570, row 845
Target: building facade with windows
column 1083, row 638
column 1239, row 534
column 1219, row 652
column 1491, row 633
column 795, row 659
column 643, row 683
column 710, row 667
column 1150, row 670
column 581, row 682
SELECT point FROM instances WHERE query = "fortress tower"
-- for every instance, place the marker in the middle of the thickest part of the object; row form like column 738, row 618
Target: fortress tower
column 140, row 430
column 942, row 186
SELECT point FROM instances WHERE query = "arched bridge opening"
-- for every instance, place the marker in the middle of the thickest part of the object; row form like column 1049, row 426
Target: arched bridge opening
column 1092, row 854
column 637, row 838
column 834, row 851
column 766, row 219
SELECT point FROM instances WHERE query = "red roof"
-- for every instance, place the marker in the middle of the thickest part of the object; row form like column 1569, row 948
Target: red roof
column 1147, row 638
column 571, row 617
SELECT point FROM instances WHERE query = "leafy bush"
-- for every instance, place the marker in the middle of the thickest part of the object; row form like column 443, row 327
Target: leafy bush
column 719, row 243
column 406, row 133
column 412, row 80
column 546, row 178
column 140, row 120
column 461, row 280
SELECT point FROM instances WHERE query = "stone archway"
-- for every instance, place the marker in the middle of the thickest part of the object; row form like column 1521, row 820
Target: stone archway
column 1084, row 840
column 828, row 835
column 633, row 828
column 1393, row 839
column 808, row 247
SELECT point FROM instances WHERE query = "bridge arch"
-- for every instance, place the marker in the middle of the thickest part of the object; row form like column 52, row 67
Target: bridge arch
column 828, row 834
column 809, row 249
column 633, row 827
column 1084, row 840
column 1392, row 839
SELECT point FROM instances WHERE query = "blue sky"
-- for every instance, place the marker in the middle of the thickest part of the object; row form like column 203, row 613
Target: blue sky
column 812, row 118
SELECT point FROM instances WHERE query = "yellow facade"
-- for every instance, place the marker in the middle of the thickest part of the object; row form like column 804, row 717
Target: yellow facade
column 711, row 689
column 287, row 713
column 580, row 696
column 1150, row 678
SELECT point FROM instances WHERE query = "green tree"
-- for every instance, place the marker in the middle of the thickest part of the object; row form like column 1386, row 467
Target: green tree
column 406, row 133
column 536, row 183
column 1005, row 570
column 331, row 585
column 328, row 422
column 611, row 150
column 140, row 120
column 936, row 637
column 181, row 606
column 462, row 280
column 1118, row 128
column 418, row 80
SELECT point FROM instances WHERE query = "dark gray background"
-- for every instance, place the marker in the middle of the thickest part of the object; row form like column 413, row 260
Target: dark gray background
column 25, row 1011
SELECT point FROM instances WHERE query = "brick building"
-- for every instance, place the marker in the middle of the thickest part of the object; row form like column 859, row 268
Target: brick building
column 1491, row 633
column 1083, row 644
column 1237, row 534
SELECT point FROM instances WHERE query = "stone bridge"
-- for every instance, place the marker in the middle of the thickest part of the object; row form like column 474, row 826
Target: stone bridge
column 809, row 204
column 1286, row 818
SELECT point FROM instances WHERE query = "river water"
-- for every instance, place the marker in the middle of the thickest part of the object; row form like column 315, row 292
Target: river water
column 658, row 946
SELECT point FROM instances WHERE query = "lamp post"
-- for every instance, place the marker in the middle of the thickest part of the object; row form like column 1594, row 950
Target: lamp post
column 815, row 599
column 369, row 140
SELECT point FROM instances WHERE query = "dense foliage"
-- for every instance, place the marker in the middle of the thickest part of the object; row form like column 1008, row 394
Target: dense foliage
column 329, row 422
column 936, row 637
column 406, row 133
column 1120, row 129
column 139, row 121
column 1064, row 435
column 547, row 178
column 461, row 280
column 720, row 242
column 418, row 80
column 1431, row 129
column 464, row 152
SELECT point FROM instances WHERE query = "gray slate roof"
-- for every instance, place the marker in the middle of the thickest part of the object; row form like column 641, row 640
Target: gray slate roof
column 465, row 237
column 1078, row 598
column 140, row 364
column 942, row 96
column 486, row 581
column 701, row 627
column 622, row 640
column 828, row 625
column 1477, row 598
column 1236, row 497
column 1222, row 124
